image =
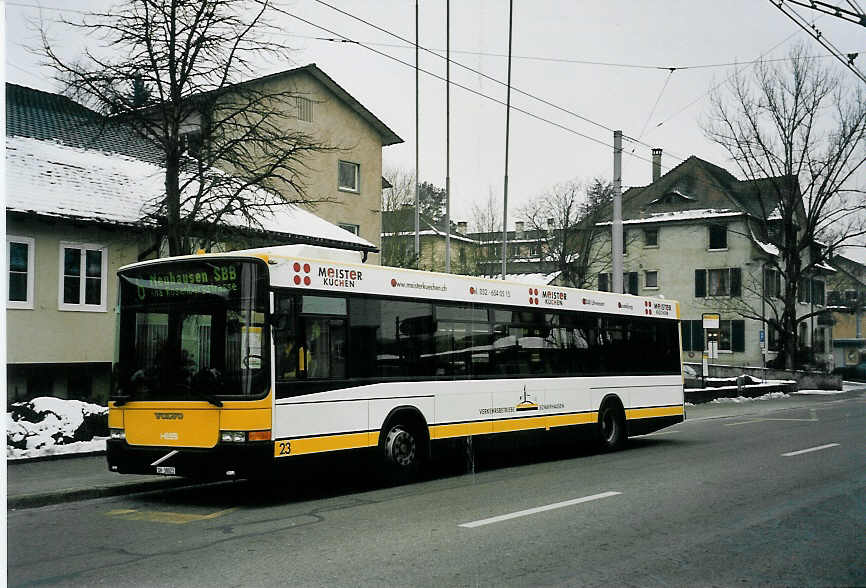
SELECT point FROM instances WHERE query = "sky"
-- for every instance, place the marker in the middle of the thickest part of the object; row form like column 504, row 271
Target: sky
column 553, row 41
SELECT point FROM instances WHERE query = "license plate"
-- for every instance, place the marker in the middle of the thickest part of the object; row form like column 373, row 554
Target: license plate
column 166, row 470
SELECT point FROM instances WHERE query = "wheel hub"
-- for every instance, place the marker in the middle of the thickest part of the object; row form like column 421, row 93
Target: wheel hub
column 401, row 446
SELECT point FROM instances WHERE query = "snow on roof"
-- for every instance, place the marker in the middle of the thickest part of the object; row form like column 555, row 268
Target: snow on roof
column 428, row 232
column 855, row 253
column 541, row 279
column 768, row 248
column 51, row 179
column 680, row 215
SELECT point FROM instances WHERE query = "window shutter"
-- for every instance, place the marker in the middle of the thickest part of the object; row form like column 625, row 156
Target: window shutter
column 697, row 335
column 700, row 283
column 632, row 283
column 736, row 282
column 738, row 335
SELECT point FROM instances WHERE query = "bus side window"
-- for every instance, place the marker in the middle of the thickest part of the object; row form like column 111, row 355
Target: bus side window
column 326, row 347
column 285, row 341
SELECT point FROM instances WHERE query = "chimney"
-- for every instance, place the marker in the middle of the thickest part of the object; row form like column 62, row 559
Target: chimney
column 518, row 229
column 461, row 227
column 657, row 163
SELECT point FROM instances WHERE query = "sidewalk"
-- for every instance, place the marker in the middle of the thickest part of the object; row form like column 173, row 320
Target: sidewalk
column 39, row 483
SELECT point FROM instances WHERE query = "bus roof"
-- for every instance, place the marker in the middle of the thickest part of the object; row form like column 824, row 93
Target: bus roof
column 323, row 270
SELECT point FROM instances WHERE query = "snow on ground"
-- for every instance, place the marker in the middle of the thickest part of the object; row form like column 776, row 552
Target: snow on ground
column 53, row 426
column 741, row 399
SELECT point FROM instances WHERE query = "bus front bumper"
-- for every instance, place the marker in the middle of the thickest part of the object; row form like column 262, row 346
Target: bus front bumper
column 221, row 461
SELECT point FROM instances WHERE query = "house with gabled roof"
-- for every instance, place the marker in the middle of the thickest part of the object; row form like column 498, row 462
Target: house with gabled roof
column 344, row 181
column 695, row 235
column 79, row 194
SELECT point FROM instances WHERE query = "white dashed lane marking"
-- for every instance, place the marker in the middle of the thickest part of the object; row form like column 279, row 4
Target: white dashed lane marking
column 537, row 509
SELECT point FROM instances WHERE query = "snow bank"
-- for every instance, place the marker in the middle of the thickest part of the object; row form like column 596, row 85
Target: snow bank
column 740, row 399
column 52, row 426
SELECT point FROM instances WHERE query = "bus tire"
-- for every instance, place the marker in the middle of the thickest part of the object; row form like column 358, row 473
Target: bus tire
column 404, row 449
column 611, row 425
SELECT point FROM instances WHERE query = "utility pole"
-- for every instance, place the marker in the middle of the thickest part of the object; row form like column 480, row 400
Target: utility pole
column 417, row 148
column 448, row 137
column 616, row 227
column 507, row 126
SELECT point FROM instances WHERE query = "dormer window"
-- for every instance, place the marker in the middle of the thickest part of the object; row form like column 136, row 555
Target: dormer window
column 191, row 143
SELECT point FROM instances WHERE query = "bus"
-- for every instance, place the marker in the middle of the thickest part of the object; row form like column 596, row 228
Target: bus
column 229, row 364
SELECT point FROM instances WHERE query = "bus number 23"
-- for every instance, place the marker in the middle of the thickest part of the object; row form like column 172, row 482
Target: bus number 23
column 285, row 447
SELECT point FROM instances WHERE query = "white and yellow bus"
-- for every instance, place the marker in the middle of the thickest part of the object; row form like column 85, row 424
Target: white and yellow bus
column 230, row 363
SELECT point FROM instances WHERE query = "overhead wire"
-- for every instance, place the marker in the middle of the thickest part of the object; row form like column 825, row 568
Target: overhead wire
column 792, row 14
column 658, row 99
column 461, row 86
column 472, row 70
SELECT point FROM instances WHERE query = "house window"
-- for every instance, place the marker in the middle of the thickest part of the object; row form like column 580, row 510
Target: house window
column 803, row 292
column 651, row 237
column 604, row 282
column 83, row 283
column 20, row 256
column 629, row 282
column 732, row 335
column 348, row 175
column 354, row 229
column 726, row 281
column 719, row 282
column 818, row 292
column 718, row 236
column 305, row 108
column 190, row 143
column 533, row 249
column 651, row 279
column 820, row 345
column 772, row 283
column 772, row 339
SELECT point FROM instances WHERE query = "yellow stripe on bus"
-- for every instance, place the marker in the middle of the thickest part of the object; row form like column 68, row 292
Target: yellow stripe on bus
column 371, row 438
column 644, row 413
column 327, row 443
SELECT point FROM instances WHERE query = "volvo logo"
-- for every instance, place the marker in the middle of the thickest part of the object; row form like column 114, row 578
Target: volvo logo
column 168, row 416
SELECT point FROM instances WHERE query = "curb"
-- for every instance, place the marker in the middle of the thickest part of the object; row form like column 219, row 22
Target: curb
column 53, row 457
column 73, row 495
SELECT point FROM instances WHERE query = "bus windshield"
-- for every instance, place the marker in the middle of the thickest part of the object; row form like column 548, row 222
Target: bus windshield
column 192, row 330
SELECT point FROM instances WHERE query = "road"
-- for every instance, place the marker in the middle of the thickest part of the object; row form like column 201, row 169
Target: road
column 731, row 496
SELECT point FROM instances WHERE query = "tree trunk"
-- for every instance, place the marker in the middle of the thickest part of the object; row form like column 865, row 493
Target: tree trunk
column 172, row 206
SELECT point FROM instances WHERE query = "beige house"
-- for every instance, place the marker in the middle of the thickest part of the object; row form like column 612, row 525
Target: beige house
column 77, row 197
column 344, row 182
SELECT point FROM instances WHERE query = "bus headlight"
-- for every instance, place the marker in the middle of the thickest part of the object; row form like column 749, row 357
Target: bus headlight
column 116, row 434
column 233, row 436
column 243, row 436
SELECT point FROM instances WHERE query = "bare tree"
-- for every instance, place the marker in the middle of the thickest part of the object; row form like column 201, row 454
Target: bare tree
column 398, row 219
column 565, row 220
column 487, row 226
column 798, row 136
column 174, row 73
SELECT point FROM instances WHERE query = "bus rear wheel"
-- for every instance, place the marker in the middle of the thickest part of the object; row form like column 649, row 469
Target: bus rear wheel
column 403, row 451
column 611, row 426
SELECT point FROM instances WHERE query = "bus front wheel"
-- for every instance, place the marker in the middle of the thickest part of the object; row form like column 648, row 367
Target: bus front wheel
column 611, row 426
